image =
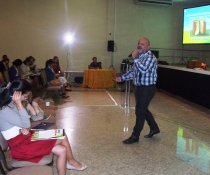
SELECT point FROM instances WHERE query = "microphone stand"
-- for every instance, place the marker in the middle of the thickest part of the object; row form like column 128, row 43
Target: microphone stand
column 127, row 89
column 127, row 102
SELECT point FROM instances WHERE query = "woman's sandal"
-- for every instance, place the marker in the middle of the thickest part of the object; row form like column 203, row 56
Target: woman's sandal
column 71, row 167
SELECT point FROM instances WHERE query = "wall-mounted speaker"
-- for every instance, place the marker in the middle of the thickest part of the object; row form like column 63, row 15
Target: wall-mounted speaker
column 110, row 46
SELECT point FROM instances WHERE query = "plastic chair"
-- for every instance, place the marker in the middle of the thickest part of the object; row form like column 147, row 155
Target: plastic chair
column 46, row 85
column 7, row 166
column 32, row 170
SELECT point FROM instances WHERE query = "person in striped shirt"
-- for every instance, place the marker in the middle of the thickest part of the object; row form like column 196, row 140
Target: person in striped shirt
column 144, row 76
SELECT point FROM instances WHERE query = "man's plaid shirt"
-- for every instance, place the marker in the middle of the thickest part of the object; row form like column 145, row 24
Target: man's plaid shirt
column 143, row 71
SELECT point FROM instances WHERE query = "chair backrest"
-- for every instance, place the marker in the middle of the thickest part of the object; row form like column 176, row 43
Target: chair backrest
column 3, row 147
column 46, row 160
column 2, row 81
column 2, row 162
column 99, row 65
column 43, row 77
column 3, row 143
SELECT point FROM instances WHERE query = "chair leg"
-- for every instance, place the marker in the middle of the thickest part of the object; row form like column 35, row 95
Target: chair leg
column 44, row 95
column 2, row 169
column 3, row 163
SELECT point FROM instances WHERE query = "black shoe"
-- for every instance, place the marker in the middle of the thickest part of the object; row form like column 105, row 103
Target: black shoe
column 62, row 94
column 151, row 133
column 65, row 96
column 132, row 139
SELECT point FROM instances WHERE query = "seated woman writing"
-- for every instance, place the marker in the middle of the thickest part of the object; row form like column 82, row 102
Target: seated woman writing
column 14, row 124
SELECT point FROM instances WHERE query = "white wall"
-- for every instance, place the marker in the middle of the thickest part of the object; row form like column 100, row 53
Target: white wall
column 134, row 21
column 36, row 28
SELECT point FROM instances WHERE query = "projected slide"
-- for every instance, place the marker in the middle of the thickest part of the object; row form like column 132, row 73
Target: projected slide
column 196, row 25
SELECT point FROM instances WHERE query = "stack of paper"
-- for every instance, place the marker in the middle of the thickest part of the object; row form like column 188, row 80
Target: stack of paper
column 48, row 134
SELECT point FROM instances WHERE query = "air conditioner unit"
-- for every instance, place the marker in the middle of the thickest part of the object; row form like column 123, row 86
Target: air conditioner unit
column 155, row 2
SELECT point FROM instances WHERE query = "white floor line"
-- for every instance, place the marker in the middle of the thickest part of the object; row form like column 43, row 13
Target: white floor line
column 99, row 105
column 131, row 107
column 111, row 98
column 87, row 106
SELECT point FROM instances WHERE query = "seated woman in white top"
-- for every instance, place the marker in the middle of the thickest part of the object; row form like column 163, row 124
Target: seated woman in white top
column 14, row 118
column 25, row 70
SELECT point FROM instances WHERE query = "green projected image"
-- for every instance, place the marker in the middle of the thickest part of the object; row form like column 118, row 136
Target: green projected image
column 196, row 28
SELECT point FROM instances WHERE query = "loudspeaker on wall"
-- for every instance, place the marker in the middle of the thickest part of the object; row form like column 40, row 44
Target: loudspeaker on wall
column 110, row 46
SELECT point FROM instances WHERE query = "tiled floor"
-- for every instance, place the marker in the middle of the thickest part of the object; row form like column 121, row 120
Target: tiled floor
column 96, row 123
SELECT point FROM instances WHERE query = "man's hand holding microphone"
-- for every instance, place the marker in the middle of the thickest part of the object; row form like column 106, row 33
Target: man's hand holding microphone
column 134, row 54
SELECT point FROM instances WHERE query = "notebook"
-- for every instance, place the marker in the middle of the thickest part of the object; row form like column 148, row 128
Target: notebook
column 48, row 134
column 43, row 125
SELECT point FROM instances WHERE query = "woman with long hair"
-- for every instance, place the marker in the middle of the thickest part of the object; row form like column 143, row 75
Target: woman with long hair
column 15, row 124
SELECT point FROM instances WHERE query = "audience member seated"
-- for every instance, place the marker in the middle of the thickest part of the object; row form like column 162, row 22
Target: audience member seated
column 52, row 79
column 15, row 130
column 25, row 70
column 33, row 66
column 4, row 68
column 35, row 111
column 35, row 76
column 14, row 73
column 95, row 64
column 60, row 74
column 56, row 65
column 33, row 108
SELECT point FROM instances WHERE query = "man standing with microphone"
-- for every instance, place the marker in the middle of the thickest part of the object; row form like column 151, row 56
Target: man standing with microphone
column 144, row 76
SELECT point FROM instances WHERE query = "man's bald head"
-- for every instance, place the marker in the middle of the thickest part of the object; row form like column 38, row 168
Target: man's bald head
column 144, row 44
column 145, row 39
